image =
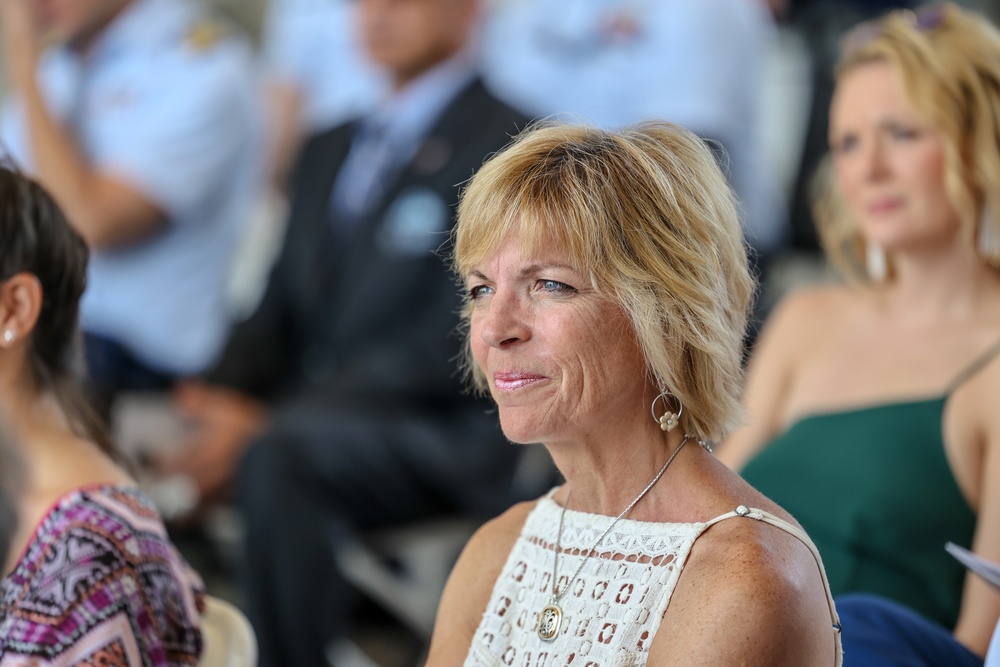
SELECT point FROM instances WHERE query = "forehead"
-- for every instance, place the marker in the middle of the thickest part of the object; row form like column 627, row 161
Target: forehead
column 518, row 254
column 526, row 236
column 869, row 92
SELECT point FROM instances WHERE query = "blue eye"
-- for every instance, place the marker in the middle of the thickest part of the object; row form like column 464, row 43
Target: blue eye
column 555, row 286
column 477, row 291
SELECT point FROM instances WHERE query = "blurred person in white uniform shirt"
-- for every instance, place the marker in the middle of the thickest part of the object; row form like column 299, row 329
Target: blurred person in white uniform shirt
column 615, row 62
column 140, row 117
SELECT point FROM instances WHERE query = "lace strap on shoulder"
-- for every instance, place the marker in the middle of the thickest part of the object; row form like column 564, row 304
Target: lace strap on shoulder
column 798, row 533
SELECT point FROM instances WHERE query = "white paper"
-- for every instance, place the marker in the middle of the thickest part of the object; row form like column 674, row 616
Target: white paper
column 984, row 568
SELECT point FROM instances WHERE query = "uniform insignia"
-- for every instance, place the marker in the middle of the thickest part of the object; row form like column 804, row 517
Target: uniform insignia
column 205, row 34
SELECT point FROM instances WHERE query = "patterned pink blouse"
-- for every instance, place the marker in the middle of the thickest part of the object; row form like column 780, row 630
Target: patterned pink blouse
column 100, row 584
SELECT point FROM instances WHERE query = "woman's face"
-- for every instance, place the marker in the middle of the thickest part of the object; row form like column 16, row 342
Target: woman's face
column 561, row 359
column 889, row 162
column 409, row 36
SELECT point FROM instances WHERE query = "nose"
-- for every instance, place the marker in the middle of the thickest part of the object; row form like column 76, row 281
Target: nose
column 875, row 165
column 502, row 322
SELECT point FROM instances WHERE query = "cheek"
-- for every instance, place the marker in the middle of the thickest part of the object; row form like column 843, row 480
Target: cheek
column 846, row 180
column 479, row 358
column 610, row 354
column 926, row 175
column 930, row 173
column 476, row 344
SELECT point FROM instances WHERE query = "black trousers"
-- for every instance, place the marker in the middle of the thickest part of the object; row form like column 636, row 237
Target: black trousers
column 318, row 476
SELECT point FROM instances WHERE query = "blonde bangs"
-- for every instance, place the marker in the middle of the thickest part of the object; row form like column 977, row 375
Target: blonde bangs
column 531, row 193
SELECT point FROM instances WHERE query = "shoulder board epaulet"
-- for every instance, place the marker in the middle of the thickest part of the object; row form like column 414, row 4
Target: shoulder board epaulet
column 205, row 33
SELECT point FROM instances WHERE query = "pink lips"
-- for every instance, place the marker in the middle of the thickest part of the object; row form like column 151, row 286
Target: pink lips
column 885, row 205
column 514, row 380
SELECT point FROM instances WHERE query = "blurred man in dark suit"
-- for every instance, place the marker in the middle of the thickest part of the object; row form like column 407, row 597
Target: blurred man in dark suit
column 342, row 387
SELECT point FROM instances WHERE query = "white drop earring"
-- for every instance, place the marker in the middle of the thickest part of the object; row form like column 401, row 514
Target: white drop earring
column 9, row 336
column 987, row 238
column 875, row 262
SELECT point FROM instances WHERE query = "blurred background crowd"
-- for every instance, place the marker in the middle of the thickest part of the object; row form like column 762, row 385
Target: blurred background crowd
column 266, row 185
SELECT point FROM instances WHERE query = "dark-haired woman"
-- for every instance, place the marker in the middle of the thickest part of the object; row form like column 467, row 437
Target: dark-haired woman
column 91, row 577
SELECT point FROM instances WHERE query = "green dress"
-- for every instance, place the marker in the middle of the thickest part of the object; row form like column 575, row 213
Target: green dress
column 874, row 490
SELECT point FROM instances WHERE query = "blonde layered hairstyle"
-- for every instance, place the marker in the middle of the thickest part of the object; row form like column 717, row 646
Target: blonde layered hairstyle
column 948, row 60
column 647, row 214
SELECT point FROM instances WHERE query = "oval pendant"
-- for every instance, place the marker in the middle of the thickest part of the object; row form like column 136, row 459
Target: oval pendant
column 549, row 621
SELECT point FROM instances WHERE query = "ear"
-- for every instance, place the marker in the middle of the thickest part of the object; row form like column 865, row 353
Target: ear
column 20, row 304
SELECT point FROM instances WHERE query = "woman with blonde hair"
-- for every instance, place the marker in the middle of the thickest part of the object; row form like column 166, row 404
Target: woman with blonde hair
column 871, row 405
column 607, row 292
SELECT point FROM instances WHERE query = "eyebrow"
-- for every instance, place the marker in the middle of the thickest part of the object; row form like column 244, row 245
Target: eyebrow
column 531, row 269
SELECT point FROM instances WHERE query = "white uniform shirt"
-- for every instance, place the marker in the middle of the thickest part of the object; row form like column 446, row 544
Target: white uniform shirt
column 165, row 102
column 611, row 63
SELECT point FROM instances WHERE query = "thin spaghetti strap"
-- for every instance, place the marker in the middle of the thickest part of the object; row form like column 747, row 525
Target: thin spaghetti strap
column 798, row 533
column 977, row 365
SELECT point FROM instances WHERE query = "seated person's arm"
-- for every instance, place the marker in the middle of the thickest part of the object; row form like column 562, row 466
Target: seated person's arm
column 980, row 601
column 769, row 377
column 182, row 142
column 104, row 210
column 470, row 586
column 224, row 422
column 284, row 105
column 751, row 595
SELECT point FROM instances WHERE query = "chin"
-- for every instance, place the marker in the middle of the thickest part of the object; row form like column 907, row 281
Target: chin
column 517, row 437
column 889, row 234
column 520, row 432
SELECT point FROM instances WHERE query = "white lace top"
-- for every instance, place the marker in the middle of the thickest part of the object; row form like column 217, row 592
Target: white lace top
column 613, row 608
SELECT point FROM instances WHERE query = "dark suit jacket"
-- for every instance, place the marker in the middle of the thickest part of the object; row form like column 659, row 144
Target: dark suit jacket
column 369, row 319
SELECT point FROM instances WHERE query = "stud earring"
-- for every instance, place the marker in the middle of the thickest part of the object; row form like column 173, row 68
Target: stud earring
column 9, row 336
column 669, row 420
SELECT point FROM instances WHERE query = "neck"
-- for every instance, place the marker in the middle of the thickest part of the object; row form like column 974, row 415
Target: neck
column 403, row 77
column 32, row 413
column 607, row 474
column 940, row 287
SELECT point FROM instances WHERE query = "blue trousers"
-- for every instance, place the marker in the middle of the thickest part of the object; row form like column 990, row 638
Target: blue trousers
column 880, row 633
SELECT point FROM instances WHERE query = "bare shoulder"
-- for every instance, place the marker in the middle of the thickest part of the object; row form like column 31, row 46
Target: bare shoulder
column 487, row 550
column 799, row 325
column 812, row 306
column 751, row 594
column 471, row 583
column 802, row 318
